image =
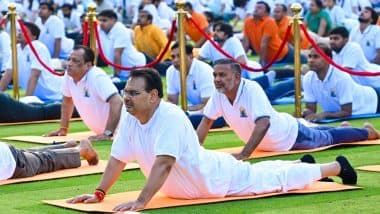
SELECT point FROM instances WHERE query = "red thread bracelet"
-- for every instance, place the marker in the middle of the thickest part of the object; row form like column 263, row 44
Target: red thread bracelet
column 99, row 195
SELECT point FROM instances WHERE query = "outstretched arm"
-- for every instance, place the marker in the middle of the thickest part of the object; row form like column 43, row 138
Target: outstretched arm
column 261, row 128
column 203, row 129
column 110, row 175
column 157, row 177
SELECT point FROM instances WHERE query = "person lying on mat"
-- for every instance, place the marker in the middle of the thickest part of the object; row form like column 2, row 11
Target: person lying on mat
column 92, row 93
column 160, row 137
column 13, row 111
column 334, row 90
column 17, row 163
column 199, row 84
column 247, row 110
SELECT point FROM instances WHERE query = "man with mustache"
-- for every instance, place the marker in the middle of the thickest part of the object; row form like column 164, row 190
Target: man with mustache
column 247, row 110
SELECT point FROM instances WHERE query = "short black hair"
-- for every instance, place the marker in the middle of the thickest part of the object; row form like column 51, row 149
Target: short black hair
column 319, row 3
column 67, row 5
column 49, row 6
column 342, row 31
column 108, row 13
column 189, row 5
column 152, row 79
column 148, row 14
column 283, row 7
column 374, row 15
column 89, row 55
column 240, row 3
column 267, row 7
column 224, row 27
column 33, row 28
column 225, row 61
column 325, row 48
column 188, row 47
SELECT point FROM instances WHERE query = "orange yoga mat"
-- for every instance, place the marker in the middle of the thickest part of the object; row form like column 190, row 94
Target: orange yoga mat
column 38, row 122
column 372, row 168
column 50, row 140
column 261, row 154
column 84, row 169
column 223, row 129
column 161, row 201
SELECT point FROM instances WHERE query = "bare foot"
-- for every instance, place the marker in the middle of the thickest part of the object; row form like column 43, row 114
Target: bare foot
column 345, row 124
column 373, row 134
column 88, row 152
column 70, row 144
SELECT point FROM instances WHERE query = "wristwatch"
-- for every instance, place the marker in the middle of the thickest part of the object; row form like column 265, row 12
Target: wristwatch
column 108, row 133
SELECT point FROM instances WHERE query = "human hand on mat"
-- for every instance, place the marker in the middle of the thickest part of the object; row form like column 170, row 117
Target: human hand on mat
column 59, row 132
column 99, row 137
column 315, row 117
column 132, row 206
column 86, row 198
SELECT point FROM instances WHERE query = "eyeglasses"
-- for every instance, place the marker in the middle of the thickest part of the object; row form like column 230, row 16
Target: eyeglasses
column 130, row 93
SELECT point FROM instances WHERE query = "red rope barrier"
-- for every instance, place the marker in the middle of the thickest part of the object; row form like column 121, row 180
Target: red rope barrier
column 329, row 60
column 3, row 20
column 85, row 33
column 213, row 43
column 29, row 42
column 151, row 64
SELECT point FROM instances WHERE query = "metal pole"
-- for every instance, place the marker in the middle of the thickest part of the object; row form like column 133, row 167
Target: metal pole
column 91, row 18
column 12, row 18
column 182, row 54
column 296, row 9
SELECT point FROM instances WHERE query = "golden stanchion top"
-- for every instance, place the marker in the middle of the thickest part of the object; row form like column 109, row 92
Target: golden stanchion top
column 296, row 8
column 92, row 8
column 180, row 4
column 12, row 7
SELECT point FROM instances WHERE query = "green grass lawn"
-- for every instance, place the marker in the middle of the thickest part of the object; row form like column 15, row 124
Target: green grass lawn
column 26, row 197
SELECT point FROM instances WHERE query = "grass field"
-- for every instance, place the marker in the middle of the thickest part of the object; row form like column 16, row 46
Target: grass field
column 26, row 197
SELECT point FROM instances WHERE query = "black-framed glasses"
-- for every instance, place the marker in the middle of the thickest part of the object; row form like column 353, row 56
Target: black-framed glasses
column 130, row 93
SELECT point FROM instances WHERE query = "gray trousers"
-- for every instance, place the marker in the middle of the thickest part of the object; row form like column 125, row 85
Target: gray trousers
column 39, row 160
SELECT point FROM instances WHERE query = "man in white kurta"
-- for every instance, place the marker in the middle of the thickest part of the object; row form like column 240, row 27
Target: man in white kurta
column 350, row 55
column 159, row 136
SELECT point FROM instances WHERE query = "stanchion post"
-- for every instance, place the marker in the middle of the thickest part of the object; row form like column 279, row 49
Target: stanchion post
column 12, row 18
column 182, row 54
column 91, row 18
column 296, row 20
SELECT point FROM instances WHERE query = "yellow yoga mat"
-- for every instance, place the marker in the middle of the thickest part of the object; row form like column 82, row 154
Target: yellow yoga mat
column 161, row 201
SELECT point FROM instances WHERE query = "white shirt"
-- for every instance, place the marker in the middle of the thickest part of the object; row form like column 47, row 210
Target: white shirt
column 7, row 162
column 5, row 49
column 52, row 29
column 197, row 173
column 338, row 89
column 337, row 15
column 199, row 82
column 48, row 86
column 72, row 23
column 232, row 46
column 352, row 56
column 90, row 96
column 369, row 40
column 347, row 6
column 113, row 39
column 249, row 105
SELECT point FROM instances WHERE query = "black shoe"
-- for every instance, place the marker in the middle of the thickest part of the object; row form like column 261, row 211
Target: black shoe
column 347, row 172
column 307, row 159
column 310, row 159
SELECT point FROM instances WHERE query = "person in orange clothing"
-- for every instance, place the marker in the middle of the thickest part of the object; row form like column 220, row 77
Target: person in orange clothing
column 261, row 33
column 151, row 40
column 191, row 30
column 280, row 15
